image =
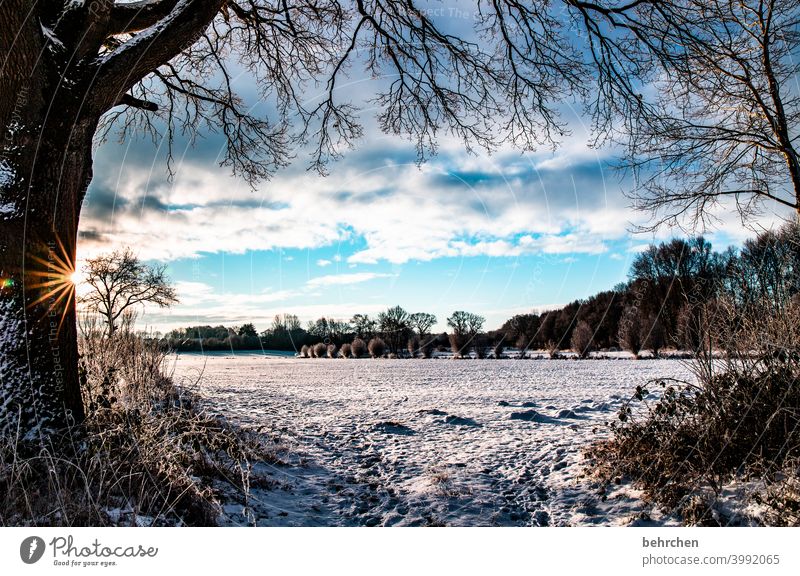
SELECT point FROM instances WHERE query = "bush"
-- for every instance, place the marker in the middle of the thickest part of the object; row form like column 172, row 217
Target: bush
column 480, row 343
column 305, row 351
column 320, row 350
column 345, row 351
column 581, row 340
column 332, row 350
column 358, row 348
column 413, row 346
column 654, row 337
column 427, row 348
column 630, row 330
column 376, row 347
column 498, row 349
column 458, row 345
column 741, row 419
column 146, row 447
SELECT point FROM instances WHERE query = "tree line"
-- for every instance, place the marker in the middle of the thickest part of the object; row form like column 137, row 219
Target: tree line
column 669, row 299
column 667, row 302
column 394, row 331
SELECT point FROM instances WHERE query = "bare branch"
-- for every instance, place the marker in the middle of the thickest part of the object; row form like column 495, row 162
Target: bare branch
column 128, row 100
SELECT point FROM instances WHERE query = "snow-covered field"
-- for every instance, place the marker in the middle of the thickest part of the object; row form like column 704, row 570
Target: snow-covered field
column 429, row 442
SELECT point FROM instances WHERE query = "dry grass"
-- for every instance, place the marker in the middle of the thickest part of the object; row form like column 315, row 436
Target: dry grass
column 740, row 421
column 147, row 454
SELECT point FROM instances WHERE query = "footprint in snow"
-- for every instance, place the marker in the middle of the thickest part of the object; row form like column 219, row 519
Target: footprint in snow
column 459, row 421
column 533, row 416
column 394, row 428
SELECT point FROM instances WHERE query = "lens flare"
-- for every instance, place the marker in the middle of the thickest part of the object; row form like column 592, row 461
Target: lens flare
column 57, row 280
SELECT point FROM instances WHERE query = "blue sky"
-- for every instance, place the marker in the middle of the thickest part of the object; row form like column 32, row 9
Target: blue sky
column 493, row 234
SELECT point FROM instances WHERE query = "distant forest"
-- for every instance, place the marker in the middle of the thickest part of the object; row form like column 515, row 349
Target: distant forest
column 672, row 290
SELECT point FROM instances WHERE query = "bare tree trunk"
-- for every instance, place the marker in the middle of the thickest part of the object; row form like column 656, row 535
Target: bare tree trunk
column 110, row 322
column 46, row 168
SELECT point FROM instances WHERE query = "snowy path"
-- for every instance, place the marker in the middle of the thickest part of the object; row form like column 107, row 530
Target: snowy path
column 428, row 442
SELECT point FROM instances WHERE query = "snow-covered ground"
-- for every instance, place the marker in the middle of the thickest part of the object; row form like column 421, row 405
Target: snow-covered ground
column 429, row 442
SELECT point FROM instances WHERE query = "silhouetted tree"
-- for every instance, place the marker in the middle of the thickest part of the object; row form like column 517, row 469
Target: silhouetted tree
column 421, row 323
column 119, row 281
column 464, row 327
column 248, row 331
column 522, row 330
column 363, row 326
column 654, row 335
column 394, row 327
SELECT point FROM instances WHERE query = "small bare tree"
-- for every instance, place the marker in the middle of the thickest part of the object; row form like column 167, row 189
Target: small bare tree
column 120, row 281
column 421, row 323
column 581, row 340
column 465, row 327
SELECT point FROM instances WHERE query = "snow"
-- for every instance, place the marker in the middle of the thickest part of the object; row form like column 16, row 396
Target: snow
column 7, row 174
column 430, row 442
column 51, row 37
column 12, row 330
column 7, row 209
column 149, row 34
column 128, row 517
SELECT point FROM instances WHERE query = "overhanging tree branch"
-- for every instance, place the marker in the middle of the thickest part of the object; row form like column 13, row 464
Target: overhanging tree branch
column 137, row 16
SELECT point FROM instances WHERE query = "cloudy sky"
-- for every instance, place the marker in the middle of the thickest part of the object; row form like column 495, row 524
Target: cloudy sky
column 494, row 234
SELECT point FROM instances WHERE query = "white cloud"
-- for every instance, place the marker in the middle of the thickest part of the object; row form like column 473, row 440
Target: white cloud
column 345, row 279
column 457, row 205
column 322, row 262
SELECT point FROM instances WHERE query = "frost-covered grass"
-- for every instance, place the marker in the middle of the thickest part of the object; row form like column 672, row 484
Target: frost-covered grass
column 146, row 455
column 433, row 442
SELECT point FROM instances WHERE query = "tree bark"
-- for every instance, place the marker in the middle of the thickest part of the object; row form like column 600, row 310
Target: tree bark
column 53, row 91
column 46, row 168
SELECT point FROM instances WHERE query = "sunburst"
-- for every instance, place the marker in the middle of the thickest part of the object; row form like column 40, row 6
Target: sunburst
column 56, row 279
